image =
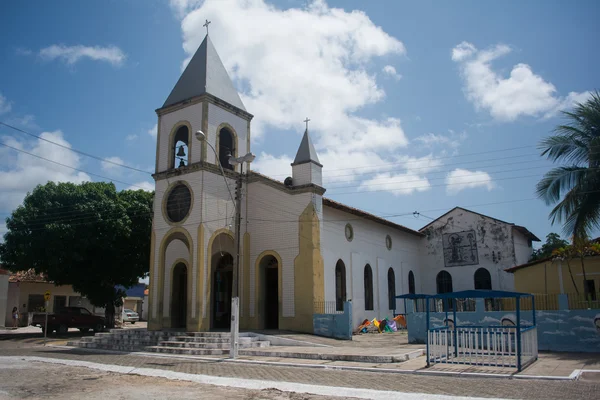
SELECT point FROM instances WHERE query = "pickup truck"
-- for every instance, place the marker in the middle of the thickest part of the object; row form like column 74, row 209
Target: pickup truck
column 69, row 317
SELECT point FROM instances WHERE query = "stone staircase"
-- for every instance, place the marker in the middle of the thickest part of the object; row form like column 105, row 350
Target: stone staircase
column 169, row 342
column 205, row 343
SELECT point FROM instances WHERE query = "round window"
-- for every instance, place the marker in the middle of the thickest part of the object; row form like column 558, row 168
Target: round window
column 349, row 232
column 388, row 242
column 179, row 202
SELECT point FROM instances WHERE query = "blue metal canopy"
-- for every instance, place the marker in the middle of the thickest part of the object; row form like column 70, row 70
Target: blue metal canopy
column 480, row 294
column 412, row 296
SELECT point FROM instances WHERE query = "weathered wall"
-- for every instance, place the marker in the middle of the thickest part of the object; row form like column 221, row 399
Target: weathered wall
column 367, row 247
column 338, row 326
column 562, row 330
column 5, row 308
column 495, row 251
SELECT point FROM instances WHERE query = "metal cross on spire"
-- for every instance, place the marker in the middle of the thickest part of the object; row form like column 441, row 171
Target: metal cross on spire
column 206, row 24
column 307, row 120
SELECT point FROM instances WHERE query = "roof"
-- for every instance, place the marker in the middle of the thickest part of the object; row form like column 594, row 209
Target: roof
column 518, row 228
column 542, row 260
column 27, row 276
column 355, row 211
column 205, row 73
column 306, row 152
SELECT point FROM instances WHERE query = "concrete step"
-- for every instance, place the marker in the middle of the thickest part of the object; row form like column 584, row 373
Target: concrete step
column 207, row 334
column 225, row 346
column 364, row 358
column 202, row 339
column 188, row 351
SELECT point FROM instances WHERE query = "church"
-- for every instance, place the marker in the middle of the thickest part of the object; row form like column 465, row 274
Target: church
column 297, row 249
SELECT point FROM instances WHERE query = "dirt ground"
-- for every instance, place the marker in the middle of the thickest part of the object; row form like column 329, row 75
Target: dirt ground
column 35, row 380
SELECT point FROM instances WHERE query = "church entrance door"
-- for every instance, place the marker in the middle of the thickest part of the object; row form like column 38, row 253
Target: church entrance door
column 179, row 297
column 222, row 285
column 271, row 298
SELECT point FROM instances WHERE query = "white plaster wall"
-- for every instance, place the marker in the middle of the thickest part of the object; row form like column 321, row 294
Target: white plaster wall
column 301, row 174
column 4, row 307
column 491, row 235
column 176, row 249
column 217, row 116
column 13, row 300
column 191, row 114
column 316, row 175
column 367, row 247
column 273, row 225
column 523, row 250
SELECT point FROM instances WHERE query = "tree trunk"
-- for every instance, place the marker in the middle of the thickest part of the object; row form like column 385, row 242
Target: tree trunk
column 572, row 278
column 109, row 315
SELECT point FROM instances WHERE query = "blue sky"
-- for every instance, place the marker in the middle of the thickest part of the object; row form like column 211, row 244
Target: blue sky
column 413, row 104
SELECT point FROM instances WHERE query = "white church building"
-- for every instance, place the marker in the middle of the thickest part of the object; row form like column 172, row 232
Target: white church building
column 297, row 248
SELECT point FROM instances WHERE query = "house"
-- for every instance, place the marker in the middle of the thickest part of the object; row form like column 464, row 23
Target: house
column 298, row 249
column 5, row 312
column 553, row 276
column 466, row 250
column 134, row 297
column 26, row 291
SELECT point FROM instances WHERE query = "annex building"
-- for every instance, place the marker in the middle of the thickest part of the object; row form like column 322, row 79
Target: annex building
column 297, row 248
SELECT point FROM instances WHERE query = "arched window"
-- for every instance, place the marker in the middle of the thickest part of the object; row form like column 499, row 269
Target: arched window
column 444, row 282
column 181, row 147
column 391, row 289
column 483, row 279
column 368, row 281
column 340, row 285
column 226, row 148
column 411, row 283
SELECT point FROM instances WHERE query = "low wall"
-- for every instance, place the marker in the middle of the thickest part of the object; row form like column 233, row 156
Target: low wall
column 338, row 326
column 561, row 330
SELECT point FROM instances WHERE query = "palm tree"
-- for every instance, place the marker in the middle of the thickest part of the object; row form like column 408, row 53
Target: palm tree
column 576, row 144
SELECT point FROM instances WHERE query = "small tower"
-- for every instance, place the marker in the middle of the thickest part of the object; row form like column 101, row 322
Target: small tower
column 306, row 167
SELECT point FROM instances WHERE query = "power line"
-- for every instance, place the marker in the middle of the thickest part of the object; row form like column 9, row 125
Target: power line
column 83, row 153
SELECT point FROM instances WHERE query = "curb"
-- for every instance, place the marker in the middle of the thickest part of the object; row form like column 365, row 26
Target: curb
column 571, row 377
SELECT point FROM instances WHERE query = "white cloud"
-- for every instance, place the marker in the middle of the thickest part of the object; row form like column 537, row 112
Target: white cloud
column 5, row 105
column 397, row 184
column 20, row 172
column 391, row 71
column 291, row 71
column 73, row 54
column 453, row 140
column 131, row 138
column 110, row 166
column 153, row 131
column 274, row 167
column 461, row 179
column 144, row 185
column 522, row 93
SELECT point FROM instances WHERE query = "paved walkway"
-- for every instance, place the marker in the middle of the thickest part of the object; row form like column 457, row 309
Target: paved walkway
column 410, row 383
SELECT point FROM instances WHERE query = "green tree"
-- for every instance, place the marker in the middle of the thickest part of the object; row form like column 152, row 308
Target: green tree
column 577, row 144
column 89, row 236
column 553, row 242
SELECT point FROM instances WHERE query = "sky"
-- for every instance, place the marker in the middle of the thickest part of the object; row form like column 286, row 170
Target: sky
column 414, row 106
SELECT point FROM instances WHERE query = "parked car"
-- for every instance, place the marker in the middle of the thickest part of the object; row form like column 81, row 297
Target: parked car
column 69, row 317
column 130, row 316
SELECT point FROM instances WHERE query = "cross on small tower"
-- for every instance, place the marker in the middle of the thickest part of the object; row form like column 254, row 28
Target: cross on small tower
column 206, row 24
column 307, row 120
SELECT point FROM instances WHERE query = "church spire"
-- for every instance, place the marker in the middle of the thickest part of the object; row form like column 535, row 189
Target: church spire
column 306, row 152
column 205, row 73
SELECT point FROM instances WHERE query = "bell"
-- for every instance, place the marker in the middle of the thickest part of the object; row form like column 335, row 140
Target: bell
column 180, row 152
column 181, row 163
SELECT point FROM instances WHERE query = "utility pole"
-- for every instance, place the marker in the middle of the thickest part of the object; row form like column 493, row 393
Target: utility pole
column 235, row 300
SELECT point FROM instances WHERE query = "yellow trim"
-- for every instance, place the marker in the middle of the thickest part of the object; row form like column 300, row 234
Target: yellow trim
column 171, row 144
column 259, row 289
column 174, row 233
column 235, row 142
column 157, row 143
column 166, row 198
column 200, row 320
column 206, row 324
column 309, row 285
column 152, row 282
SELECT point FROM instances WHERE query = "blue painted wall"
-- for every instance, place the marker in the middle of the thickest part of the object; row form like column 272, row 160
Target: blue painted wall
column 338, row 326
column 562, row 330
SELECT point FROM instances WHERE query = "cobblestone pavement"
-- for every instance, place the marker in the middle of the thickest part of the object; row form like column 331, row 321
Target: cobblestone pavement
column 458, row 386
column 34, row 380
